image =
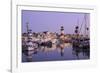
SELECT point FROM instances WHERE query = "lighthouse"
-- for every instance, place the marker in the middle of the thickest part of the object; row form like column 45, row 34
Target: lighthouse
column 62, row 30
column 62, row 36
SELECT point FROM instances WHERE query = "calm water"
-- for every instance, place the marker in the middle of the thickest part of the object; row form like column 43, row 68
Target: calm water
column 56, row 53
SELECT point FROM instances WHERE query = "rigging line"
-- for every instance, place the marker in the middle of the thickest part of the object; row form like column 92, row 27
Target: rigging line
column 78, row 21
column 82, row 24
column 85, row 26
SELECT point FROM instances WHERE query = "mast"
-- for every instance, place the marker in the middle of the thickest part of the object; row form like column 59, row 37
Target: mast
column 85, row 26
column 27, row 26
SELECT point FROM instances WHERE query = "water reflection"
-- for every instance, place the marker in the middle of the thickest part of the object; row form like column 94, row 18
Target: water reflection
column 53, row 52
column 84, row 50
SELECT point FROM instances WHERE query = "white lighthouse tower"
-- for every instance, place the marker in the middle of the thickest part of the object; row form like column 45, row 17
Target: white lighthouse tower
column 62, row 36
column 62, row 30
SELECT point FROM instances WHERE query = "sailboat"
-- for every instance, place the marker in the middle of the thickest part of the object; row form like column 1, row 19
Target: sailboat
column 81, row 41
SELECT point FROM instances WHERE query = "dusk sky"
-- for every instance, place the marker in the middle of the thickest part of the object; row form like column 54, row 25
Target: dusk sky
column 40, row 21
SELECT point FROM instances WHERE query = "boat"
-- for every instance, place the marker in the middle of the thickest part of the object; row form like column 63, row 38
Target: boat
column 83, row 41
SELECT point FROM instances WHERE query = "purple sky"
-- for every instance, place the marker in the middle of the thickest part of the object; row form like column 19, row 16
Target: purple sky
column 52, row 21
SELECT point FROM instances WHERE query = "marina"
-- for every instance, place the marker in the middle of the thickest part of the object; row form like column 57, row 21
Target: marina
column 54, row 46
column 48, row 46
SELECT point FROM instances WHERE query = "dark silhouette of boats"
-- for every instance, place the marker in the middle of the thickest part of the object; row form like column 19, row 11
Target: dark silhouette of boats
column 81, row 43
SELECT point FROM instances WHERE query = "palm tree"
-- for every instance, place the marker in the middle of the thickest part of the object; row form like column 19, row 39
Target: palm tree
column 87, row 31
column 87, row 28
column 76, row 27
column 76, row 31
